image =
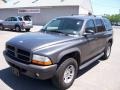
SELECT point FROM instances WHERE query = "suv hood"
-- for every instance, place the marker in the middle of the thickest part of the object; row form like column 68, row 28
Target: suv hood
column 37, row 40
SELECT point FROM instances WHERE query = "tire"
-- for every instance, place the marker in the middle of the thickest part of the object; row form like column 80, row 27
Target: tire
column 1, row 27
column 11, row 29
column 17, row 28
column 27, row 30
column 107, row 51
column 60, row 80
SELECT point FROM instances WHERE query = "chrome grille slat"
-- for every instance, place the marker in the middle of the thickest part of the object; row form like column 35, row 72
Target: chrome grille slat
column 11, row 52
column 10, row 47
column 22, row 55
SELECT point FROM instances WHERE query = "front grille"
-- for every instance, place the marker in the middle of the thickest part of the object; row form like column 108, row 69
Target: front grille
column 17, row 53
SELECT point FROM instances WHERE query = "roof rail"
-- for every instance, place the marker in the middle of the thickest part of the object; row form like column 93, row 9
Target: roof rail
column 98, row 16
column 79, row 14
column 91, row 15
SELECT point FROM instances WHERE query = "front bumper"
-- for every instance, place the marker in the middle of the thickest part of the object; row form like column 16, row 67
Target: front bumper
column 45, row 72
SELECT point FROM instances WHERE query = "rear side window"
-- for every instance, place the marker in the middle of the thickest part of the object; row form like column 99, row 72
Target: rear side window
column 107, row 24
column 14, row 18
column 99, row 25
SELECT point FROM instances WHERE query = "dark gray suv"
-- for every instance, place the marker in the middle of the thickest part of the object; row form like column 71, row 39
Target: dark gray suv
column 64, row 45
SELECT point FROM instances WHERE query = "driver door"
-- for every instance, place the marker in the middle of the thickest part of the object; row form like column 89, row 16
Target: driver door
column 91, row 38
column 7, row 22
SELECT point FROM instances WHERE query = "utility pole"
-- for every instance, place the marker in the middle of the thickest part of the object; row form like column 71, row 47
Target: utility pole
column 119, row 11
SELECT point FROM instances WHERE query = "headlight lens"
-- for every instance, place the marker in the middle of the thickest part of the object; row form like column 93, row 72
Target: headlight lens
column 41, row 60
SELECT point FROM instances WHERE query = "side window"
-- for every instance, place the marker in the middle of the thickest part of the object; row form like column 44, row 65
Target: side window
column 20, row 19
column 90, row 26
column 14, row 19
column 8, row 19
column 99, row 25
column 107, row 24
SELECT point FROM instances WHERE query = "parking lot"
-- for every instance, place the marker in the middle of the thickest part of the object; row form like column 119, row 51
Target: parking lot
column 101, row 75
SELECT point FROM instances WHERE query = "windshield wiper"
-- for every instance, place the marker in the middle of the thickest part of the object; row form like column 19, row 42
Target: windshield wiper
column 57, row 31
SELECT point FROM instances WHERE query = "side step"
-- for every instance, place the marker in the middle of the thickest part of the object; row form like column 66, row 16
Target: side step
column 91, row 61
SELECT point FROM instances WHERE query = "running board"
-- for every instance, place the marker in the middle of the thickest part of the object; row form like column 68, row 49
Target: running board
column 91, row 61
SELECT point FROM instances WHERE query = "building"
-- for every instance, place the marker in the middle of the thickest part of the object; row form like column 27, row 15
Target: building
column 42, row 11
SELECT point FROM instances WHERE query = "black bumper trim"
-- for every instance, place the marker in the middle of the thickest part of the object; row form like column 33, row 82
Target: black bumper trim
column 45, row 72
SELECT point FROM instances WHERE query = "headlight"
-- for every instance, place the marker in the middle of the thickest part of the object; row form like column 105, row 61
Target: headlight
column 41, row 60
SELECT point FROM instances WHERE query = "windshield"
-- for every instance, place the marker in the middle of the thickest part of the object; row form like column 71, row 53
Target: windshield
column 64, row 25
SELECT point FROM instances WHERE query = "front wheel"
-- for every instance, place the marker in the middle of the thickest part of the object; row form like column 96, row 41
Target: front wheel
column 65, row 74
column 107, row 51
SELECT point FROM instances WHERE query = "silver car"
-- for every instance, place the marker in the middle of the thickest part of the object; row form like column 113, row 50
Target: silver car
column 18, row 23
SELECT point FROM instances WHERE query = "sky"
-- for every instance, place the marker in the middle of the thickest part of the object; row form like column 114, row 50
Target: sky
column 101, row 7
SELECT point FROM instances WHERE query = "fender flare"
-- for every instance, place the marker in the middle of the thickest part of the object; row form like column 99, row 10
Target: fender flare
column 68, row 51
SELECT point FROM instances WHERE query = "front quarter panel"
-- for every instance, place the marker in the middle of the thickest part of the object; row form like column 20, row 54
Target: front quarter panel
column 56, row 52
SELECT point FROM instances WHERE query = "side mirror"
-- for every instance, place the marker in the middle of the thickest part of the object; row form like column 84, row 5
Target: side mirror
column 88, row 32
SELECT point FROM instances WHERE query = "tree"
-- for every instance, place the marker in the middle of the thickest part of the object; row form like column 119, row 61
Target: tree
column 115, row 19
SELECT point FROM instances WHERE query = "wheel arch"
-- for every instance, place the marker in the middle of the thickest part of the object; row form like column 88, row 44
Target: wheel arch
column 110, row 41
column 17, row 25
column 74, row 52
column 1, row 24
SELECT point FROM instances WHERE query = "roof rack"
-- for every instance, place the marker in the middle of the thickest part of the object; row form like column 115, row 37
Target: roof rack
column 89, row 14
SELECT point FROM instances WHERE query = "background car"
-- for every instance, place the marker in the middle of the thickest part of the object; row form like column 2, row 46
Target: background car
column 18, row 23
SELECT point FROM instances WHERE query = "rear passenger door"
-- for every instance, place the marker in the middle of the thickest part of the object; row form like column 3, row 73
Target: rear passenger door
column 100, row 35
column 13, row 22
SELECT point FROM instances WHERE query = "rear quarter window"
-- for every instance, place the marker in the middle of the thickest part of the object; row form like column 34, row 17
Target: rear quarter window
column 107, row 24
column 20, row 19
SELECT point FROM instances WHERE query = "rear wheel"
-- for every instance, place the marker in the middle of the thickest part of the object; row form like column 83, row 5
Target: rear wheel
column 1, row 27
column 107, row 51
column 65, row 74
column 17, row 28
column 27, row 30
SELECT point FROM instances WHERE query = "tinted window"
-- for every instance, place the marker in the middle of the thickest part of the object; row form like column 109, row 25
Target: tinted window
column 107, row 24
column 8, row 19
column 99, row 25
column 90, row 25
column 20, row 19
column 26, row 18
column 14, row 18
column 65, row 25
